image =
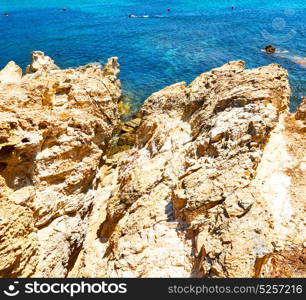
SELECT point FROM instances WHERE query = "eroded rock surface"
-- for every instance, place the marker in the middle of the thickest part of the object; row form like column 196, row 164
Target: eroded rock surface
column 284, row 264
column 55, row 126
column 207, row 189
column 11, row 73
column 301, row 112
column 212, row 184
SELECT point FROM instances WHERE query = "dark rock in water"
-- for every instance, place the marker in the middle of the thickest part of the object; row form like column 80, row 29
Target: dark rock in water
column 127, row 139
column 128, row 132
column 131, row 125
column 270, row 49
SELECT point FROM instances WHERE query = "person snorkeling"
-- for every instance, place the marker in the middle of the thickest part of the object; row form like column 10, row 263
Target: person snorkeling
column 285, row 55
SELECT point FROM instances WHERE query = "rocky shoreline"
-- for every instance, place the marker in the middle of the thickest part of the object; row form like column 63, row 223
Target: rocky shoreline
column 207, row 180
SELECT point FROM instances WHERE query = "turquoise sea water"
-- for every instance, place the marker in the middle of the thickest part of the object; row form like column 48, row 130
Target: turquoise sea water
column 167, row 47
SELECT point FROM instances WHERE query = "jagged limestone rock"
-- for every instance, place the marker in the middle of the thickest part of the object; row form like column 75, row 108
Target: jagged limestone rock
column 11, row 73
column 206, row 190
column 41, row 62
column 212, row 186
column 55, row 126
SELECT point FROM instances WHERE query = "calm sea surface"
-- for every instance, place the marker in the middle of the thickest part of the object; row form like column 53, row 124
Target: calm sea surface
column 166, row 47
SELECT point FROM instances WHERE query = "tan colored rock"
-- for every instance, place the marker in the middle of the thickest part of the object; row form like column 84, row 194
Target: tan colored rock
column 212, row 187
column 127, row 135
column 18, row 254
column 41, row 62
column 111, row 68
column 285, row 264
column 55, row 126
column 10, row 73
column 207, row 190
column 301, row 111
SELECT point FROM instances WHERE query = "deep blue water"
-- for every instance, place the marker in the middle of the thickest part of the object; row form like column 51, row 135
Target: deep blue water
column 195, row 36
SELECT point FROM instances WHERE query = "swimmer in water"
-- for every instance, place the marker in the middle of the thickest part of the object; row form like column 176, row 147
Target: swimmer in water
column 233, row 6
column 284, row 54
column 5, row 15
column 64, row 9
column 169, row 9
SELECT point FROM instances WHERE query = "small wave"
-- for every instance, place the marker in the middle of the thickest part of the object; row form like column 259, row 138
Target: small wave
column 158, row 16
column 281, row 51
column 147, row 16
column 277, row 51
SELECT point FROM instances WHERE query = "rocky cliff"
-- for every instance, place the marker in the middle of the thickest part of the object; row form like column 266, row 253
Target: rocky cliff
column 211, row 185
column 55, row 126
